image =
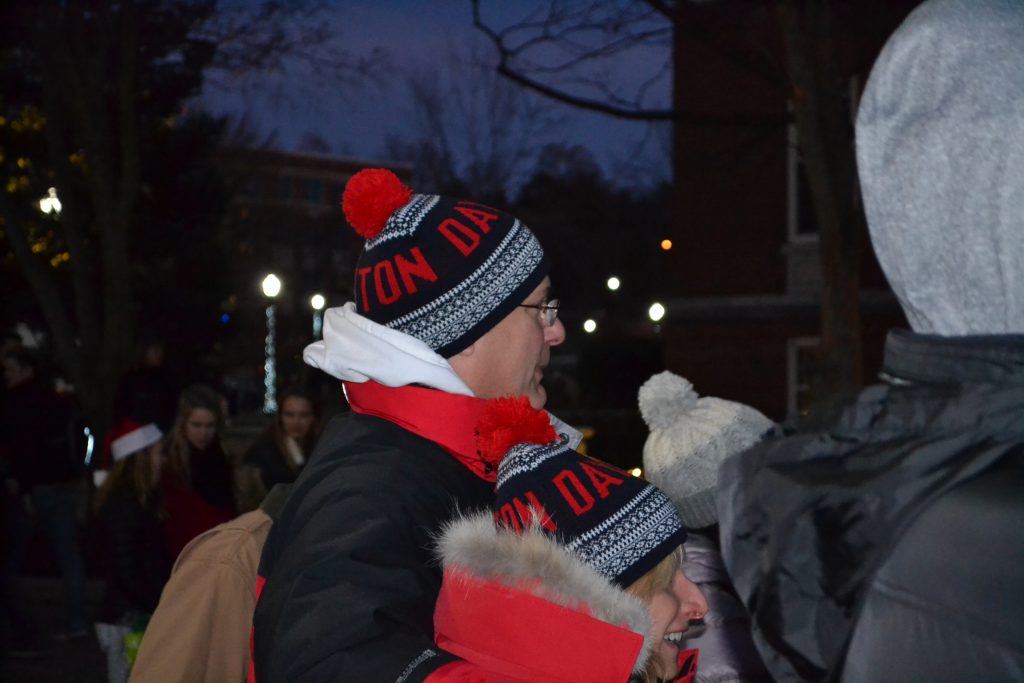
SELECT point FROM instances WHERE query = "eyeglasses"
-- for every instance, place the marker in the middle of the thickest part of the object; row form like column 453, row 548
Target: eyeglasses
column 548, row 311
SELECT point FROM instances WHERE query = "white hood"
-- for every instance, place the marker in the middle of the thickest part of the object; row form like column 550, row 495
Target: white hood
column 940, row 151
column 356, row 349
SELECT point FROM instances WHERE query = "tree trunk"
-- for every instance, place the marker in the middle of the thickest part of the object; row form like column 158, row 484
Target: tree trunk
column 826, row 148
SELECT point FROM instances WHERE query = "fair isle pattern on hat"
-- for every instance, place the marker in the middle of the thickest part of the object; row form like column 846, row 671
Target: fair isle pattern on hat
column 403, row 222
column 524, row 458
column 441, row 321
column 639, row 528
column 618, row 524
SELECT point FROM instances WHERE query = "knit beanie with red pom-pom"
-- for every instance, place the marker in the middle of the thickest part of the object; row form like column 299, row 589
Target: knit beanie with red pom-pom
column 618, row 524
column 442, row 270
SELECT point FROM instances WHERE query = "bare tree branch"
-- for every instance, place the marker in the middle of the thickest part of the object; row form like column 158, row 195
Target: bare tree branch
column 622, row 28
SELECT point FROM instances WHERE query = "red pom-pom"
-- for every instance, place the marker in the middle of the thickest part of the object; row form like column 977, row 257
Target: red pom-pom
column 505, row 422
column 370, row 197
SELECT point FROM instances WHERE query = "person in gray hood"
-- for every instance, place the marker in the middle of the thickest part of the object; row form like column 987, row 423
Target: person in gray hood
column 889, row 546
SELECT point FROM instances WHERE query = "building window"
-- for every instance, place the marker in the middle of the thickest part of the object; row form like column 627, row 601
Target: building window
column 284, row 187
column 801, row 219
column 312, row 190
column 800, row 362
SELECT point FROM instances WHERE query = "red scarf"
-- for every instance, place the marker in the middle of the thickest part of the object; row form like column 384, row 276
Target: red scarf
column 449, row 420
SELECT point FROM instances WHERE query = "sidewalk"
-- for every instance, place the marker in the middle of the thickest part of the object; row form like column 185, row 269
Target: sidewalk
column 78, row 661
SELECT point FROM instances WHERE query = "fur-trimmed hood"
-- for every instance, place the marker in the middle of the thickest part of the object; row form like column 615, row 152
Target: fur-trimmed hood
column 536, row 564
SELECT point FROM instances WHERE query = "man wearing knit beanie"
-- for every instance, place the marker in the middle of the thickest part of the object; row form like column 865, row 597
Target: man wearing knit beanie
column 452, row 306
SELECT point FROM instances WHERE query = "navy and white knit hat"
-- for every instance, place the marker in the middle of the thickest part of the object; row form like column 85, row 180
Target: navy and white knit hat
column 442, row 270
column 618, row 524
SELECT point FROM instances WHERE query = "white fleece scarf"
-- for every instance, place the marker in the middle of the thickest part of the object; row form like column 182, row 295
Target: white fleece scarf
column 356, row 349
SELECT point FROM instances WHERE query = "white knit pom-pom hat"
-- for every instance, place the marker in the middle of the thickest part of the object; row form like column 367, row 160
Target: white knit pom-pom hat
column 690, row 437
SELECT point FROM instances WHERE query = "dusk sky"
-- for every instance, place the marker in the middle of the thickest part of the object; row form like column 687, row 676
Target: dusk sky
column 356, row 120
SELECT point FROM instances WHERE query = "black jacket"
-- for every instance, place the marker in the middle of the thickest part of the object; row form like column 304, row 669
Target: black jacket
column 265, row 456
column 35, row 431
column 136, row 558
column 889, row 547
column 351, row 581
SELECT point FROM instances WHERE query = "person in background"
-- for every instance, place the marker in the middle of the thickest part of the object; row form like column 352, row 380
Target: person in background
column 41, row 491
column 278, row 455
column 453, row 305
column 574, row 574
column 888, row 545
column 200, row 631
column 198, row 485
column 689, row 438
column 130, row 510
column 149, row 391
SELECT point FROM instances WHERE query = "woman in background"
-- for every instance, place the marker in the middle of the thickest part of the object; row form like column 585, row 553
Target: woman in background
column 130, row 509
column 199, row 482
column 279, row 454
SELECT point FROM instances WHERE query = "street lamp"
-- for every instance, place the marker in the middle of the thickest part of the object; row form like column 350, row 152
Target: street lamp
column 271, row 286
column 50, row 203
column 318, row 302
column 589, row 325
column 614, row 283
column 656, row 312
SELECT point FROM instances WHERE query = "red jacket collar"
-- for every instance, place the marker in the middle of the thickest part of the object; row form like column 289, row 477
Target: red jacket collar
column 449, row 420
column 533, row 640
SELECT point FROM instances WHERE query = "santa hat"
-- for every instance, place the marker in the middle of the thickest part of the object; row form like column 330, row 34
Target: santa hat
column 618, row 524
column 690, row 437
column 129, row 437
column 442, row 270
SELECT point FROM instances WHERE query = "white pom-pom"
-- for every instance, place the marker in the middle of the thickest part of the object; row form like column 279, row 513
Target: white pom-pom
column 664, row 398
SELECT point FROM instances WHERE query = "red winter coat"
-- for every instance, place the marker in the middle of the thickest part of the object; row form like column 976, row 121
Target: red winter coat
column 510, row 625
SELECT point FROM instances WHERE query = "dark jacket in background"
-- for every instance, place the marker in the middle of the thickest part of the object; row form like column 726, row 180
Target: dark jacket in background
column 208, row 499
column 265, row 456
column 136, row 558
column 35, row 432
column 890, row 546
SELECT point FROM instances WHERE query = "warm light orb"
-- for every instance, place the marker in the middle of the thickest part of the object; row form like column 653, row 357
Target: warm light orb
column 614, row 283
column 271, row 286
column 637, row 472
column 666, row 244
column 589, row 325
column 317, row 301
column 656, row 312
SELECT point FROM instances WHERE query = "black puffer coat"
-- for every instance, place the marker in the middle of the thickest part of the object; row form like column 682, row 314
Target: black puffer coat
column 889, row 547
column 351, row 556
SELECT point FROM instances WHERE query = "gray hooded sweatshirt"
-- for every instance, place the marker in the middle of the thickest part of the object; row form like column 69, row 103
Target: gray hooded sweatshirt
column 887, row 547
column 940, row 149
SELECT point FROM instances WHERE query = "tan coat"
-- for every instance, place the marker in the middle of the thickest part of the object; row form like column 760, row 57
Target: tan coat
column 200, row 630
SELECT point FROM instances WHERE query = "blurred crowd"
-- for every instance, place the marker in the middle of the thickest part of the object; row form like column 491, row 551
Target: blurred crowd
column 121, row 510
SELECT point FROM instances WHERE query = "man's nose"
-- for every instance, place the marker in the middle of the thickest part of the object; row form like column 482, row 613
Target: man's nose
column 554, row 335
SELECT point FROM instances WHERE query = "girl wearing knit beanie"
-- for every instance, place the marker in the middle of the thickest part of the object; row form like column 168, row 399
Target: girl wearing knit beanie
column 574, row 575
